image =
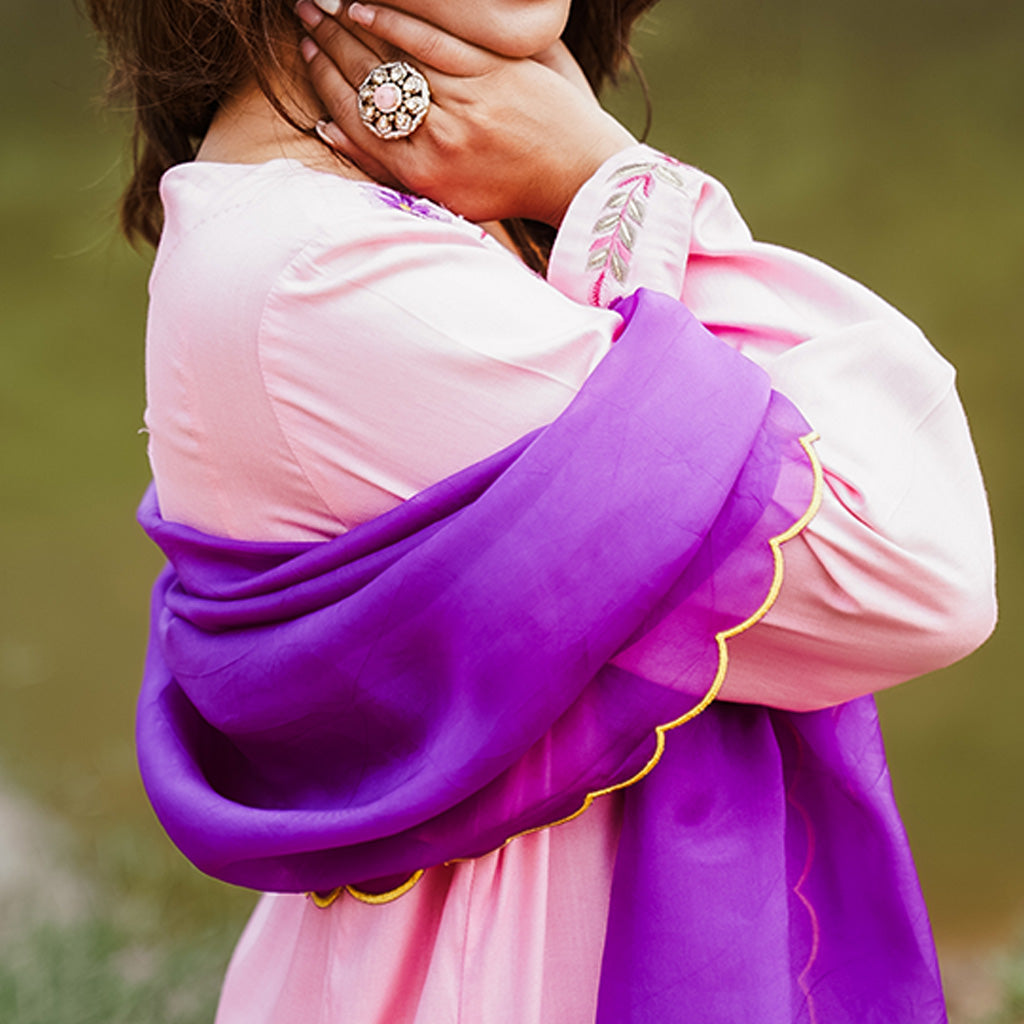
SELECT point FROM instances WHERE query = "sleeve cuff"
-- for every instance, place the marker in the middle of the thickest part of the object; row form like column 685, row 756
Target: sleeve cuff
column 628, row 227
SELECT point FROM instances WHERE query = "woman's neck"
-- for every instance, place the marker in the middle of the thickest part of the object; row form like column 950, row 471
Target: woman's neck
column 247, row 129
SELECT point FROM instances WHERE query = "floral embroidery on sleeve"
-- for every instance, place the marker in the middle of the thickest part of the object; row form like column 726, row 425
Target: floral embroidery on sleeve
column 425, row 209
column 623, row 215
column 416, row 205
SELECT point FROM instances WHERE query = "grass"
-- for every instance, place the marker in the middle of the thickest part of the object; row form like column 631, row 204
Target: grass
column 116, row 929
column 97, row 971
column 1010, row 970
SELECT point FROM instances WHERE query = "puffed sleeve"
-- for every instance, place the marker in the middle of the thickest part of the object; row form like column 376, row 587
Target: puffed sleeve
column 401, row 344
column 895, row 575
column 320, row 350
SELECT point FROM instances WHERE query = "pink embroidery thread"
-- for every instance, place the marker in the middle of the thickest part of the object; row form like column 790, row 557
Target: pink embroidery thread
column 622, row 216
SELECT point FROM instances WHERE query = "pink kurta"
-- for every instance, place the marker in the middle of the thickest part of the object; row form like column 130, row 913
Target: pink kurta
column 319, row 350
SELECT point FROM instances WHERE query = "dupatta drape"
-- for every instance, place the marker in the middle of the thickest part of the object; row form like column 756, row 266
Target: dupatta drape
column 546, row 625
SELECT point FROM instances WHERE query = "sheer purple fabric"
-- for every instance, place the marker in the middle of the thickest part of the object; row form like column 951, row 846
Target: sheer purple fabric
column 480, row 660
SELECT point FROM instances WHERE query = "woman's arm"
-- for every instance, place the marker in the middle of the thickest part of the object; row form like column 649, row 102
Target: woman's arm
column 895, row 576
column 400, row 344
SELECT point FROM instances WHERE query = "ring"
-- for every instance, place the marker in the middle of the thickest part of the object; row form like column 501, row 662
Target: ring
column 393, row 100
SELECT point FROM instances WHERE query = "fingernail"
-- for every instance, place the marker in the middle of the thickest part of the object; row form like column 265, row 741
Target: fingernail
column 330, row 133
column 308, row 13
column 309, row 49
column 330, row 7
column 361, row 14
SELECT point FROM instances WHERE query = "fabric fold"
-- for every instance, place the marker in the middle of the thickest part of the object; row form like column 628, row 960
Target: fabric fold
column 480, row 661
column 426, row 686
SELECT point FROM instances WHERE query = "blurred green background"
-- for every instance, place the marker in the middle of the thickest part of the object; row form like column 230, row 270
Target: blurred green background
column 883, row 136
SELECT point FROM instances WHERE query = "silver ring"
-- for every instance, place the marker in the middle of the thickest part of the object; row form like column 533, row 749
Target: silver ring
column 393, row 100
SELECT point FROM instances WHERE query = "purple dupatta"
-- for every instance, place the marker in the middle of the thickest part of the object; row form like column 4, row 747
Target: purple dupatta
column 484, row 659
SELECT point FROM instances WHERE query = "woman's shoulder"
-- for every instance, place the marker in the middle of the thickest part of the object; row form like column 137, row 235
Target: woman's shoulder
column 244, row 214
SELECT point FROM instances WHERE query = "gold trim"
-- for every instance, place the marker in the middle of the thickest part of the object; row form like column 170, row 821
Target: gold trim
column 376, row 898
column 324, row 900
column 723, row 653
column 775, row 543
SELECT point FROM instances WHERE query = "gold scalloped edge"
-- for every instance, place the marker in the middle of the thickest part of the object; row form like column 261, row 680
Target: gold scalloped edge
column 324, row 900
column 721, row 638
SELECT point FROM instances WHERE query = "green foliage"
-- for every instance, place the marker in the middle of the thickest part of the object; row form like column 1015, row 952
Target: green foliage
column 1011, row 973
column 95, row 972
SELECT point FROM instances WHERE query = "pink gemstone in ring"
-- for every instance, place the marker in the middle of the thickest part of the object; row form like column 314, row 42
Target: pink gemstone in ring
column 387, row 97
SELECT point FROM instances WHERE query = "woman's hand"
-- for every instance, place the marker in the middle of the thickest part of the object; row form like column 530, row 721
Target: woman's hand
column 503, row 137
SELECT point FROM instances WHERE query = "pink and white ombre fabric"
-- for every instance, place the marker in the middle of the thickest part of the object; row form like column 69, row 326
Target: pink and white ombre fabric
column 320, row 350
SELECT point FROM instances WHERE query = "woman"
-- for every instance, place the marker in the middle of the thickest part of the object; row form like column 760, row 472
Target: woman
column 321, row 349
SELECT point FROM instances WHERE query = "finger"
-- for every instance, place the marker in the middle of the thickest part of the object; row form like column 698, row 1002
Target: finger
column 331, row 7
column 336, row 93
column 353, row 58
column 425, row 43
column 339, row 98
column 312, row 13
column 333, row 137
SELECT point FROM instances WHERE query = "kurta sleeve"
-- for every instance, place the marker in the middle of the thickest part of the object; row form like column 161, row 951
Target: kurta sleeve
column 895, row 575
column 396, row 344
column 423, row 346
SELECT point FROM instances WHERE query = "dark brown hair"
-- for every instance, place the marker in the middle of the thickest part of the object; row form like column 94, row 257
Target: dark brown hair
column 173, row 62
